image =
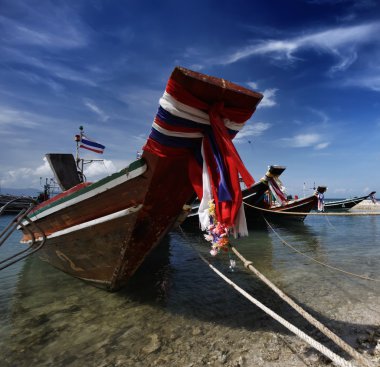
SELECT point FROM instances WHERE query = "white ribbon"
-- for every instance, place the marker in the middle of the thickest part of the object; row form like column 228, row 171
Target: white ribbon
column 203, row 210
column 182, row 110
column 240, row 228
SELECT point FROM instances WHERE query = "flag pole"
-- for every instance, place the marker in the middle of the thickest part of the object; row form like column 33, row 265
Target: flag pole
column 78, row 139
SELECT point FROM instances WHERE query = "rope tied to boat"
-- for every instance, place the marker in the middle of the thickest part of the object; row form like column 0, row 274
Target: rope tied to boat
column 247, row 263
column 12, row 226
column 326, row 331
column 317, row 261
column 282, row 212
column 339, row 361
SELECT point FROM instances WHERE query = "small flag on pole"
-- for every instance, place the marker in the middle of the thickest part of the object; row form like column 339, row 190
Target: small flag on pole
column 86, row 143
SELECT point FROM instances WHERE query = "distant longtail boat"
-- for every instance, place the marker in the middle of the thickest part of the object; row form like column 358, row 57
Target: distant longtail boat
column 347, row 203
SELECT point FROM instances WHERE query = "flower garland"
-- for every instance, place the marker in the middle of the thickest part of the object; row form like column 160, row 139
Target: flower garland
column 217, row 233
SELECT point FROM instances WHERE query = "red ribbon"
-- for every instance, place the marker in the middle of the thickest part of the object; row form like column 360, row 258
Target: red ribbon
column 226, row 211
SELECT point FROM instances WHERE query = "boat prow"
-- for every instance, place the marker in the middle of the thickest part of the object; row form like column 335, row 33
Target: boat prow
column 101, row 232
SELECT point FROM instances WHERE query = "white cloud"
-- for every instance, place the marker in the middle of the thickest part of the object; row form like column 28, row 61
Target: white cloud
column 52, row 26
column 324, row 118
column 322, row 145
column 251, row 131
column 306, row 140
column 35, row 177
column 19, row 118
column 26, row 177
column 269, row 95
column 99, row 169
column 94, row 108
column 55, row 69
column 269, row 98
column 371, row 81
column 253, row 85
column 302, row 140
column 340, row 42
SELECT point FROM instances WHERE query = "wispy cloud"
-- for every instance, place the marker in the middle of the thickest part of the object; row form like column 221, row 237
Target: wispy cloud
column 322, row 117
column 351, row 4
column 94, row 108
column 49, row 26
column 47, row 69
column 322, row 145
column 340, row 42
column 306, row 140
column 34, row 78
column 12, row 117
column 364, row 80
column 269, row 95
column 253, row 85
column 251, row 131
column 269, row 98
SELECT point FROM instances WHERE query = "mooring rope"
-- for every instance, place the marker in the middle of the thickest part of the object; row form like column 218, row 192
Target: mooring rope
column 309, row 213
column 335, row 338
column 339, row 361
column 330, row 224
column 317, row 261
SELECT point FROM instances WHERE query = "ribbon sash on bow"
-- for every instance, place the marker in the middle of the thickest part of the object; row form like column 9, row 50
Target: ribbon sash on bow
column 184, row 122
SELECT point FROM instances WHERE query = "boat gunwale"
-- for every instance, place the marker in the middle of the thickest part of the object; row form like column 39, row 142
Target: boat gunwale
column 344, row 201
column 77, row 196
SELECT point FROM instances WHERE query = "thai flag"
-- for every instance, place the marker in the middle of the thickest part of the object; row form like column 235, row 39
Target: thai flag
column 86, row 143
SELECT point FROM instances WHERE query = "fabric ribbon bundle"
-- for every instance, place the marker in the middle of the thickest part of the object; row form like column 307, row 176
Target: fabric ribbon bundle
column 275, row 188
column 186, row 125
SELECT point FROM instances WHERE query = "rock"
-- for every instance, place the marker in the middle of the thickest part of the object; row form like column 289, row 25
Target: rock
column 197, row 331
column 153, row 346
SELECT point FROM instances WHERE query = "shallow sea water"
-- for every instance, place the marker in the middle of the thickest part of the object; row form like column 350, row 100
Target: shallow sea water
column 177, row 312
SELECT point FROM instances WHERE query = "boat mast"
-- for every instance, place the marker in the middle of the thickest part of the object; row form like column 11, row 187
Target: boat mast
column 78, row 160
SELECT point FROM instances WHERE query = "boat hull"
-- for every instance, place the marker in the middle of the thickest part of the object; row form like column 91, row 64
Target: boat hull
column 110, row 251
column 344, row 204
column 279, row 213
column 253, row 195
column 94, row 251
column 72, row 221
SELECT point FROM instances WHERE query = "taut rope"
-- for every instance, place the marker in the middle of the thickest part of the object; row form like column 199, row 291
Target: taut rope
column 339, row 361
column 317, row 261
column 335, row 338
column 309, row 213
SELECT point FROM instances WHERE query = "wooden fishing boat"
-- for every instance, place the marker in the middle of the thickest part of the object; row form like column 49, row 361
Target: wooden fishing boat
column 101, row 232
column 253, row 196
column 278, row 210
column 346, row 203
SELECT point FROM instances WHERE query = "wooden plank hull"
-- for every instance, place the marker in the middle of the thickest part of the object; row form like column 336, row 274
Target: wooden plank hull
column 92, row 201
column 344, row 204
column 278, row 213
column 86, row 234
column 110, row 253
column 94, row 252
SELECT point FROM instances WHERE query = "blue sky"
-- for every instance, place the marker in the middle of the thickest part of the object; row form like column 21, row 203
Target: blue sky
column 104, row 65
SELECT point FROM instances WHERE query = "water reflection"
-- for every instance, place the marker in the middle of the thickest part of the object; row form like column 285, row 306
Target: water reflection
column 174, row 308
